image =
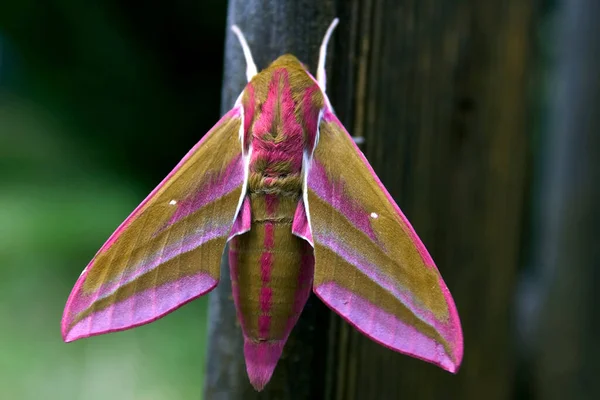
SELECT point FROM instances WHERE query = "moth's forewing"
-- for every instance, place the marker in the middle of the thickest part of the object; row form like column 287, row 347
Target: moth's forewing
column 370, row 265
column 168, row 251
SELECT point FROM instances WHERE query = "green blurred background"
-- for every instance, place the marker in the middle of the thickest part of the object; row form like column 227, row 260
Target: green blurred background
column 97, row 103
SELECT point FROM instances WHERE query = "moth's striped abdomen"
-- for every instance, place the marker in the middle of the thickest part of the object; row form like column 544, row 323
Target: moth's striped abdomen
column 271, row 273
column 271, row 268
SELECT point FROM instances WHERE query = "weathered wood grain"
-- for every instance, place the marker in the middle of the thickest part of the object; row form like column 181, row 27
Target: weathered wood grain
column 439, row 91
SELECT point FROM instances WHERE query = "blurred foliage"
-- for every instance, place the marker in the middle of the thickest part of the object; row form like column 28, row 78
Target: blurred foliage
column 98, row 101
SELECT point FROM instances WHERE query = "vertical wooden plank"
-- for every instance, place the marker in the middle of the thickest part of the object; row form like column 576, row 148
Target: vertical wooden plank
column 445, row 117
column 568, row 232
column 439, row 91
column 272, row 28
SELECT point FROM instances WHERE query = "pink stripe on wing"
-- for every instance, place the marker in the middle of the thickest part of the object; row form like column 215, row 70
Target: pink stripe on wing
column 150, row 305
column 233, row 113
column 79, row 300
column 386, row 328
column 218, row 184
column 449, row 329
column 332, row 191
column 330, row 117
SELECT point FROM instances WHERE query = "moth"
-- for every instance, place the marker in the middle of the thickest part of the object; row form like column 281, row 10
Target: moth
column 280, row 180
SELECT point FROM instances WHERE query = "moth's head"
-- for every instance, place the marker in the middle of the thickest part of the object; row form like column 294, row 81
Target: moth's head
column 288, row 64
column 286, row 70
column 287, row 61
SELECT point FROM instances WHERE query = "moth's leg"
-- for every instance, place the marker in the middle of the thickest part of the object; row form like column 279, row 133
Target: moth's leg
column 323, row 54
column 250, row 66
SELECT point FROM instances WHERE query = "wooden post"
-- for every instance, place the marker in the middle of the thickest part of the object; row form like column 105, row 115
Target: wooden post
column 439, row 91
column 568, row 205
column 272, row 28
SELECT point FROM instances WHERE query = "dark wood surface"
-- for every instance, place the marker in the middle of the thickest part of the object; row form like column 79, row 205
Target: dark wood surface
column 272, row 28
column 439, row 90
column 568, row 210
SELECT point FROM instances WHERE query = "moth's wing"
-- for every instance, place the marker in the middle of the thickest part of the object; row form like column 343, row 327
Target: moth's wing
column 168, row 251
column 370, row 265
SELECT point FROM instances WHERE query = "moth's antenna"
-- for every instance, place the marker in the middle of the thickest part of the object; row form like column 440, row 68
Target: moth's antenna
column 323, row 54
column 250, row 66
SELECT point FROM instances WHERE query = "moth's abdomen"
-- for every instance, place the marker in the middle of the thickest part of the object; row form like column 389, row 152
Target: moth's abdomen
column 271, row 270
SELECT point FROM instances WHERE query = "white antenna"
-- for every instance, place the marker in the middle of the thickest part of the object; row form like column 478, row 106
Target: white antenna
column 250, row 66
column 323, row 54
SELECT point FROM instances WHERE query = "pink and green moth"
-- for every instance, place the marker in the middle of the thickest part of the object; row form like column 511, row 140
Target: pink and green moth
column 281, row 181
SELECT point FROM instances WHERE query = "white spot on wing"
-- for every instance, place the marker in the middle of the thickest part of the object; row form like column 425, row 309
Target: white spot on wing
column 173, row 202
column 374, row 215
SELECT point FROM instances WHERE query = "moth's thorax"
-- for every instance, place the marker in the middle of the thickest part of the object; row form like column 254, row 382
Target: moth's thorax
column 281, row 111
